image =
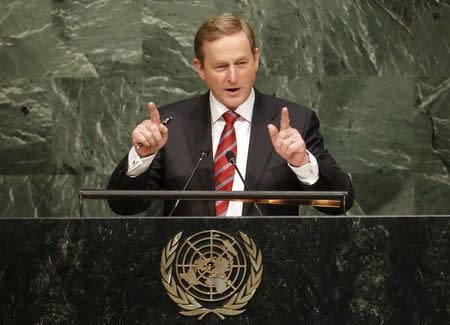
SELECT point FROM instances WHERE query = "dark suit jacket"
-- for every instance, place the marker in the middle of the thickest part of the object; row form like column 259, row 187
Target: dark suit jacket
column 190, row 134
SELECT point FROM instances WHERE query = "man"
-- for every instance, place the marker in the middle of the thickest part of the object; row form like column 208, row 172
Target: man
column 231, row 116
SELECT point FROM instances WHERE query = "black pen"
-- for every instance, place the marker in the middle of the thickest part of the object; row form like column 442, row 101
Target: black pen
column 167, row 120
column 164, row 122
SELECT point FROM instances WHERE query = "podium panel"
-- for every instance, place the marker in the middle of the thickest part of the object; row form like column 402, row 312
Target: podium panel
column 259, row 270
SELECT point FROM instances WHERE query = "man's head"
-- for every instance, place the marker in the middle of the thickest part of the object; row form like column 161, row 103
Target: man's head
column 219, row 26
column 227, row 58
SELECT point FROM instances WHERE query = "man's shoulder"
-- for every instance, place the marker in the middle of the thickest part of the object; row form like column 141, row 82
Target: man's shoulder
column 278, row 103
column 186, row 104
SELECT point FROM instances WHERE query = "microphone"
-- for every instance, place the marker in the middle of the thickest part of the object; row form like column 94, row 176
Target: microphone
column 203, row 155
column 232, row 160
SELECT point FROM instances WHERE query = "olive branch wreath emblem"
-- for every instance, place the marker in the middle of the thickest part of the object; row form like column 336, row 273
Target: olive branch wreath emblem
column 189, row 305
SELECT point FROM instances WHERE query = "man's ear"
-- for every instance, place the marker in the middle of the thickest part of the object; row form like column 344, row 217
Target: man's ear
column 198, row 66
column 256, row 58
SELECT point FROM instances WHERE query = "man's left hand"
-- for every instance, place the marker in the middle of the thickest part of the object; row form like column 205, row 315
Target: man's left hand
column 288, row 142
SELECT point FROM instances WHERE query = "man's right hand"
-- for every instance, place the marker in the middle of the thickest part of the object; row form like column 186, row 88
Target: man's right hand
column 149, row 136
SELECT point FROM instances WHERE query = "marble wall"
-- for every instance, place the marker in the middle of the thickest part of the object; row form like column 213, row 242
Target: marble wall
column 75, row 77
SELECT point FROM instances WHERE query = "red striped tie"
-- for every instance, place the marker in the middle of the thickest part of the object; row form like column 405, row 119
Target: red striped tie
column 223, row 170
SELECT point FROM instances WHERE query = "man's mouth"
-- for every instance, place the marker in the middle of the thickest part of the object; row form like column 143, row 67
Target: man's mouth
column 232, row 91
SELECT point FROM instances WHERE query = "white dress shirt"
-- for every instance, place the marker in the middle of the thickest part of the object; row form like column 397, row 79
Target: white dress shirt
column 307, row 174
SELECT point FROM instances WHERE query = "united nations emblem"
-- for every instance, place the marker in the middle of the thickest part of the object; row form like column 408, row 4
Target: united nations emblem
column 210, row 272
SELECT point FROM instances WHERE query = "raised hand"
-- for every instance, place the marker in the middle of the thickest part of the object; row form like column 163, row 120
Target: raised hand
column 288, row 142
column 150, row 135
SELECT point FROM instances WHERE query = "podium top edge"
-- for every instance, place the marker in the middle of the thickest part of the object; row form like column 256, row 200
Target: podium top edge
column 287, row 195
column 230, row 218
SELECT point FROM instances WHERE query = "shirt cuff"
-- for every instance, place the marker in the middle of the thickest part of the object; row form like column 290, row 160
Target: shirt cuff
column 307, row 174
column 136, row 164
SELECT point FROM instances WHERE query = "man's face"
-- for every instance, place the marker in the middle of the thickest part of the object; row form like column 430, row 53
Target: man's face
column 229, row 68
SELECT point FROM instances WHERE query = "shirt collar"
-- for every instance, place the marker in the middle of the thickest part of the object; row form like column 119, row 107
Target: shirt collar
column 245, row 110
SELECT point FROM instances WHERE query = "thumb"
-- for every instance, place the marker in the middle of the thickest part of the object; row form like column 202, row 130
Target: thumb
column 273, row 131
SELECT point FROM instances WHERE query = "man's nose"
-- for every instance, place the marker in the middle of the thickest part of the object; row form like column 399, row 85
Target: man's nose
column 232, row 76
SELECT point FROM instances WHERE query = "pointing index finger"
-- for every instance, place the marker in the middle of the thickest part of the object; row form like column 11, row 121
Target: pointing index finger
column 154, row 114
column 284, row 122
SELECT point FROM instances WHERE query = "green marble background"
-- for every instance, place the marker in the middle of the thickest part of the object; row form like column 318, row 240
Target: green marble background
column 75, row 77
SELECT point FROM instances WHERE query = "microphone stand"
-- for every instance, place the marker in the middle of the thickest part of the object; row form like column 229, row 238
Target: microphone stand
column 202, row 156
column 232, row 159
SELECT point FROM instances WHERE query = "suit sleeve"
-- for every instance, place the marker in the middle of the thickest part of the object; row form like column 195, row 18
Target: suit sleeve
column 331, row 176
column 149, row 180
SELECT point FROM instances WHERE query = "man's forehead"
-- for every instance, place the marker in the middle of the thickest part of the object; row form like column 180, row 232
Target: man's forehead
column 228, row 46
column 240, row 37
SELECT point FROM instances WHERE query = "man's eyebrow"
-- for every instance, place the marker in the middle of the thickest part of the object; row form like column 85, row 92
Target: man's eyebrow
column 244, row 57
column 223, row 62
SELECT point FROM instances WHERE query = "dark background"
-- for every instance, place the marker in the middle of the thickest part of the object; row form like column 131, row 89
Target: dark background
column 315, row 270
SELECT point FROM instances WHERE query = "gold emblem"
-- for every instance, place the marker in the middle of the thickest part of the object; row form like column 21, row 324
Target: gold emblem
column 211, row 273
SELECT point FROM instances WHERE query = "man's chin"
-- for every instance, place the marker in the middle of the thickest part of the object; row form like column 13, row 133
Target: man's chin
column 233, row 103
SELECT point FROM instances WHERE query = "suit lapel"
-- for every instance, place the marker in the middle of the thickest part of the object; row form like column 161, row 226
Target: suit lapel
column 260, row 146
column 197, row 130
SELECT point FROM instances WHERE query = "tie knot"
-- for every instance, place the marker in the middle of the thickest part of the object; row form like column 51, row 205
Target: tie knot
column 230, row 117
